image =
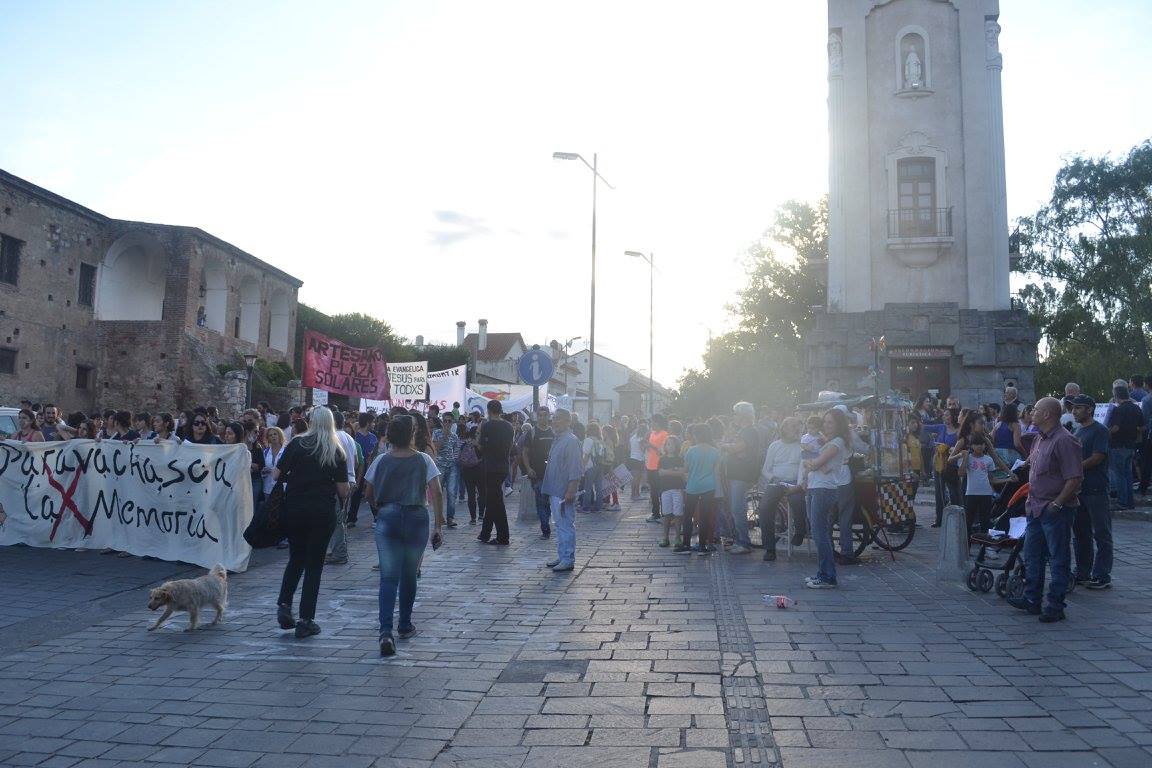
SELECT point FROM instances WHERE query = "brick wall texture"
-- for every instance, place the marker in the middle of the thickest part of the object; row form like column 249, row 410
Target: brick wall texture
column 158, row 364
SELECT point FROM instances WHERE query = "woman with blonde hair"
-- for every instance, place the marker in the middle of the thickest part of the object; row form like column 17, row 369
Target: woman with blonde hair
column 314, row 467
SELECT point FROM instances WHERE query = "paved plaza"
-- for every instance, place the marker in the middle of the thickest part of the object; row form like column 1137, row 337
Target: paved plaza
column 640, row 657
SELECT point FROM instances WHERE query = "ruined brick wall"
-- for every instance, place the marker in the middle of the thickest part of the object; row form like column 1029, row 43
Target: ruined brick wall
column 169, row 361
column 40, row 316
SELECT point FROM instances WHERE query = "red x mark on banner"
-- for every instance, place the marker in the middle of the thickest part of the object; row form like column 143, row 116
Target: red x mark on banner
column 66, row 502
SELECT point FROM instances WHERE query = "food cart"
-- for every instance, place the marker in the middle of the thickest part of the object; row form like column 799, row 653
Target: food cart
column 882, row 477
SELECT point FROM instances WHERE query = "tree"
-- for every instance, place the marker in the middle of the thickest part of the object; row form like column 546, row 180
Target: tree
column 763, row 359
column 1091, row 247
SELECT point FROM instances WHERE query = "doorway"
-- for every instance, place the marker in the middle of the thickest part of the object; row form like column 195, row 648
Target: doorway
column 915, row 377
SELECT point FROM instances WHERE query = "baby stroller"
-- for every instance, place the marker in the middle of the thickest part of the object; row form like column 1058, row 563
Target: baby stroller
column 1010, row 581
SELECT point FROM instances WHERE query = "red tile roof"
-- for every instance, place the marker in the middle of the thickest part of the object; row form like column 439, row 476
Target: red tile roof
column 498, row 347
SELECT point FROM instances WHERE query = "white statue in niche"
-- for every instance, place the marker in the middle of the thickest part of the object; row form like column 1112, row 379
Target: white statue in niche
column 913, row 71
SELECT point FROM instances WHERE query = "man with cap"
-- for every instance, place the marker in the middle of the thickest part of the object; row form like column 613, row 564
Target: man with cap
column 1057, row 469
column 1093, row 517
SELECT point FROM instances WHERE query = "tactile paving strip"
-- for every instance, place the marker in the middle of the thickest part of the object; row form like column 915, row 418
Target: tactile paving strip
column 749, row 732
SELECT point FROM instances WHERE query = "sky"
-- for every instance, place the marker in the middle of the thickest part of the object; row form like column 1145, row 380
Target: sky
column 397, row 156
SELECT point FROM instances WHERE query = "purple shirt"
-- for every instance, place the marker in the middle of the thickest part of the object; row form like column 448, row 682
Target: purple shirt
column 1055, row 459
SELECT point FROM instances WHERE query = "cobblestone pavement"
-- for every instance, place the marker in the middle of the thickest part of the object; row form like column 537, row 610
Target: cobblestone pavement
column 639, row 657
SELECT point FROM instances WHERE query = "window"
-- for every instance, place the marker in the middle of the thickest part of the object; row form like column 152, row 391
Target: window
column 916, row 196
column 83, row 377
column 7, row 361
column 9, row 259
column 87, row 294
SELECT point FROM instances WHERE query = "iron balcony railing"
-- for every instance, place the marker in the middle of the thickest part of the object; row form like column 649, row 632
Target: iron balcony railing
column 919, row 222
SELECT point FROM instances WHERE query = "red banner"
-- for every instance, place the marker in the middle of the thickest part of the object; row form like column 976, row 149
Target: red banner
column 335, row 367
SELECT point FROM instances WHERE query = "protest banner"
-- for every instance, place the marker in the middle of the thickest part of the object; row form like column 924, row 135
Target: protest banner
column 409, row 381
column 335, row 367
column 447, row 387
column 319, row 396
column 188, row 503
column 513, row 397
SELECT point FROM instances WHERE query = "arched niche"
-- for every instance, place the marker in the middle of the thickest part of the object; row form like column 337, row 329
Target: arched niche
column 250, row 309
column 215, row 298
column 278, row 313
column 130, row 283
column 913, row 61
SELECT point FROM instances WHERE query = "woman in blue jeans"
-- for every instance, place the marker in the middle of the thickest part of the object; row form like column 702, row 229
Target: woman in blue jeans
column 400, row 484
column 827, row 474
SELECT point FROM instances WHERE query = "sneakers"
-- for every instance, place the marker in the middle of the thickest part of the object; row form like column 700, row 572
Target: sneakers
column 387, row 646
column 815, row 582
column 1050, row 617
column 1024, row 604
column 664, row 543
column 507, row 490
column 769, row 555
column 1100, row 583
column 653, row 518
column 682, row 549
column 284, row 616
column 739, row 549
column 450, row 524
column 702, row 550
column 306, row 629
column 562, row 567
column 552, row 563
column 407, row 633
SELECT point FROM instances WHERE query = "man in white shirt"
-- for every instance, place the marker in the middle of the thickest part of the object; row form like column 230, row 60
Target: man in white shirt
column 338, row 547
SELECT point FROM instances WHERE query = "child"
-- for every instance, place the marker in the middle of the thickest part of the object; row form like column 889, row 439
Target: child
column 810, row 444
column 978, row 494
column 912, row 441
column 672, row 479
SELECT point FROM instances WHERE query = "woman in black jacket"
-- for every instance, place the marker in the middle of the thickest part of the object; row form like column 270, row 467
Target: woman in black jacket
column 315, row 471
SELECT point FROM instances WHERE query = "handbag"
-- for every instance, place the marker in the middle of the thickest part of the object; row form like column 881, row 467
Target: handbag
column 265, row 530
column 468, row 456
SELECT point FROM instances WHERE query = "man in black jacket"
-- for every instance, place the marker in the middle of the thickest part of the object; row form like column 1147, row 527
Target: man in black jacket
column 495, row 446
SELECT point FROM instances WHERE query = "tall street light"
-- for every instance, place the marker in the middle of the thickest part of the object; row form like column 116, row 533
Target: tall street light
column 596, row 177
column 651, row 259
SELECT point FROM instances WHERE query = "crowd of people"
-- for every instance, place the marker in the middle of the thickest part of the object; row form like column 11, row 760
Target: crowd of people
column 415, row 471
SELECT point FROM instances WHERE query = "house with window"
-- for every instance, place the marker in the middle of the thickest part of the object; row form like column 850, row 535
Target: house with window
column 102, row 312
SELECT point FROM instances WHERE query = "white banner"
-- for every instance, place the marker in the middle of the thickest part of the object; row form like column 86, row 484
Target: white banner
column 319, row 396
column 447, row 387
column 513, row 397
column 188, row 503
column 409, row 381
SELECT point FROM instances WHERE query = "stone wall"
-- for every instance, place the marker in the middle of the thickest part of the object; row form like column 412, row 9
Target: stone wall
column 167, row 361
column 989, row 348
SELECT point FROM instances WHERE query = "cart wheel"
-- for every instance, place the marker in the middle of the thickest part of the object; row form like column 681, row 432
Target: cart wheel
column 897, row 536
column 972, row 576
column 1015, row 585
column 985, row 580
column 862, row 535
column 1002, row 585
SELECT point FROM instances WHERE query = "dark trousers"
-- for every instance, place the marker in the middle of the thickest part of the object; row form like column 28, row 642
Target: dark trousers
column 354, row 503
column 308, row 533
column 1145, row 464
column 1093, row 524
column 473, row 485
column 543, row 506
column 766, row 511
column 654, row 491
column 495, row 515
column 978, row 511
column 947, row 492
column 699, row 508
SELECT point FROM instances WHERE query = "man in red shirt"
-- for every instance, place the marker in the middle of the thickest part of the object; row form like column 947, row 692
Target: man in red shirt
column 656, row 439
column 1055, row 474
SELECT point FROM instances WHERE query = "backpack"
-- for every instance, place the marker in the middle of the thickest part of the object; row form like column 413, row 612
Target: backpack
column 468, row 456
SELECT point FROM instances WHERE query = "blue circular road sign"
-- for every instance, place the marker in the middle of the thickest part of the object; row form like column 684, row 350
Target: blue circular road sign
column 536, row 367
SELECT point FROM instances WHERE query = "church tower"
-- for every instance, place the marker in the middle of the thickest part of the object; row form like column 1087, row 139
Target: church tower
column 918, row 223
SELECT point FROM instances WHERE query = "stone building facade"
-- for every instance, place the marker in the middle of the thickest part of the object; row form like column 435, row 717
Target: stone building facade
column 98, row 312
column 917, row 211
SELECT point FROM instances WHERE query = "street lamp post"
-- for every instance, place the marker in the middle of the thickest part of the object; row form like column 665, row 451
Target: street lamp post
column 249, row 363
column 596, row 177
column 651, row 259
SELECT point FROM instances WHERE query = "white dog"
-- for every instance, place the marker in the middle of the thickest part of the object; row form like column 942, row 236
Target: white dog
column 191, row 595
